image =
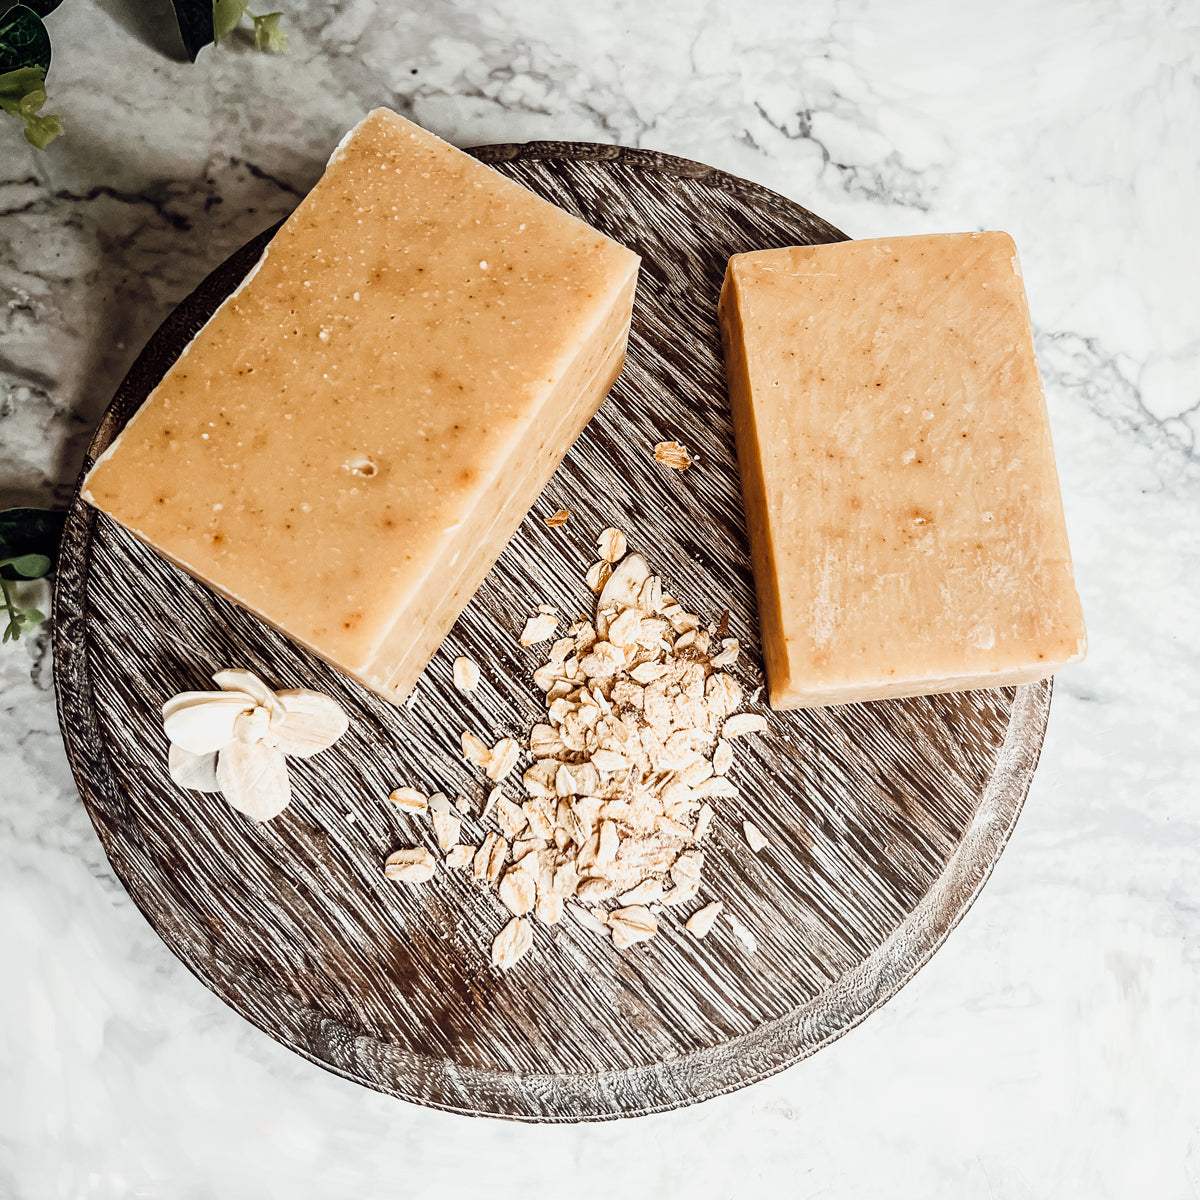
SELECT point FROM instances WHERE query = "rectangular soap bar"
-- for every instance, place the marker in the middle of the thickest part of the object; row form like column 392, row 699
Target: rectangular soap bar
column 901, row 496
column 348, row 444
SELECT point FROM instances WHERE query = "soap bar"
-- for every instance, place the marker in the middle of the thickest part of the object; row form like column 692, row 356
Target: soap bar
column 348, row 444
column 902, row 503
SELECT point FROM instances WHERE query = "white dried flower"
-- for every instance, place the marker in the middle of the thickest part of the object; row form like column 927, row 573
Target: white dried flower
column 234, row 740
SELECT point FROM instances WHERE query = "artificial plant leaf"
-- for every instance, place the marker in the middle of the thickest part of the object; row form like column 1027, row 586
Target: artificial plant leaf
column 31, row 566
column 29, row 531
column 24, row 41
column 22, row 94
column 268, row 37
column 20, row 619
column 43, row 8
column 195, row 19
column 227, row 16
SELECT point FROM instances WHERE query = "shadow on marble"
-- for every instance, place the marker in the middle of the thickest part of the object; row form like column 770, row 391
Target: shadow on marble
column 21, row 496
column 151, row 22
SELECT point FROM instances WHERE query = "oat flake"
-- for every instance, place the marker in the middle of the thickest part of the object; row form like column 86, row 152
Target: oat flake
column 672, row 454
column 466, row 674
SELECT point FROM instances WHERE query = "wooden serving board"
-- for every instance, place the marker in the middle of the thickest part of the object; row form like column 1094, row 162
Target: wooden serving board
column 884, row 820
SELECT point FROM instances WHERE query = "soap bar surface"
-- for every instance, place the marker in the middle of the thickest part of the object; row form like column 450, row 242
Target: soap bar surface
column 902, row 502
column 353, row 437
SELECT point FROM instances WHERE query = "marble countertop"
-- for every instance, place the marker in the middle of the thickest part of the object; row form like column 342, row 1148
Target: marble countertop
column 1052, row 1047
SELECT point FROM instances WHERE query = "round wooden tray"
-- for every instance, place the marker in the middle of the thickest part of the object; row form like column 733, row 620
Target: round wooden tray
column 884, row 820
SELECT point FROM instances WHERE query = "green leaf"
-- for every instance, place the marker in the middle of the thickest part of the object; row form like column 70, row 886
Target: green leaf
column 24, row 41
column 40, row 131
column 29, row 566
column 195, row 18
column 15, row 84
column 268, row 36
column 19, row 618
column 22, row 95
column 29, row 531
column 43, row 8
column 227, row 16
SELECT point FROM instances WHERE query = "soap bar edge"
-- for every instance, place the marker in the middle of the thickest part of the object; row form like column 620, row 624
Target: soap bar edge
column 754, row 500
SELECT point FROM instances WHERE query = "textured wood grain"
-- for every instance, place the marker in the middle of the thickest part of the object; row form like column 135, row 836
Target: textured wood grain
column 883, row 819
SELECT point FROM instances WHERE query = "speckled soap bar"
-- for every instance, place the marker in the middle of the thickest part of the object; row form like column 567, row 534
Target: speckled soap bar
column 350, row 441
column 903, row 506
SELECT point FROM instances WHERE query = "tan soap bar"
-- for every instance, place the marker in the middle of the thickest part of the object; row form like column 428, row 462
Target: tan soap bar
column 903, row 507
column 350, row 441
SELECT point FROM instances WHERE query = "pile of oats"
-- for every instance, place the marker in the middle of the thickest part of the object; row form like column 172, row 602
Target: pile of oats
column 610, row 821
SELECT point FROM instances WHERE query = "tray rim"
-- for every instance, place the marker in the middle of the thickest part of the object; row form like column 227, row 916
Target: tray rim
column 782, row 1042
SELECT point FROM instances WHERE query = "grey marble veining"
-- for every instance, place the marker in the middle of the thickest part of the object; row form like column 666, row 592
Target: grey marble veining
column 1050, row 1048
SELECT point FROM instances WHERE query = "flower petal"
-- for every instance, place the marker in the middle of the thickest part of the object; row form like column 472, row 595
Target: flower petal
column 254, row 726
column 187, row 699
column 312, row 722
column 254, row 779
column 206, row 725
column 197, row 772
column 236, row 679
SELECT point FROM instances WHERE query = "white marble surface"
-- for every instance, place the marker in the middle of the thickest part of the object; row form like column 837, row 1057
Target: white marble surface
column 1050, row 1048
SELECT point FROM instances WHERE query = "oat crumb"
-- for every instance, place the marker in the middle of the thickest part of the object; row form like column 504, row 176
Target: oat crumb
column 410, row 799
column 466, row 674
column 701, row 922
column 611, row 545
column 673, row 455
column 513, row 941
column 414, row 865
column 754, row 837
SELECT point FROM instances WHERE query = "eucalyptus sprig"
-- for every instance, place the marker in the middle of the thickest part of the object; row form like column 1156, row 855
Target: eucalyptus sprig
column 29, row 541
